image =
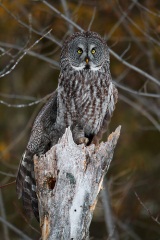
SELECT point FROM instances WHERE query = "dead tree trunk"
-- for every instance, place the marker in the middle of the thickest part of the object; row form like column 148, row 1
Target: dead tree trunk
column 69, row 178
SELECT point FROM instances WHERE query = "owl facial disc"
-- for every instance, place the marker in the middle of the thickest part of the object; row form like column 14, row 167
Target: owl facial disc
column 87, row 52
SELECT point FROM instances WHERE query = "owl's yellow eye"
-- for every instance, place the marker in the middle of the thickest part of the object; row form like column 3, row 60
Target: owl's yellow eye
column 93, row 51
column 80, row 51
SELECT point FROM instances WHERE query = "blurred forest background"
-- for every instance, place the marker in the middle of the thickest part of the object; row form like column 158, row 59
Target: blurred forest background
column 29, row 69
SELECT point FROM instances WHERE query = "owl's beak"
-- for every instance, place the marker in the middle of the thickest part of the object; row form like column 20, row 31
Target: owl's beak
column 87, row 60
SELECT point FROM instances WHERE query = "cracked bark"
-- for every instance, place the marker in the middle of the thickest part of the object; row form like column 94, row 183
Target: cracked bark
column 69, row 178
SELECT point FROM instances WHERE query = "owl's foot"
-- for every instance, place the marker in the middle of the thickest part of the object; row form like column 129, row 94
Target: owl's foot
column 83, row 140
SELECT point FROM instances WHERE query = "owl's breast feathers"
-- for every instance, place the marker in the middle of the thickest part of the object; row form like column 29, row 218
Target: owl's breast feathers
column 87, row 97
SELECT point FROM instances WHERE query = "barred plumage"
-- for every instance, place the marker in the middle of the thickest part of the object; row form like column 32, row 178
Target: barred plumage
column 85, row 100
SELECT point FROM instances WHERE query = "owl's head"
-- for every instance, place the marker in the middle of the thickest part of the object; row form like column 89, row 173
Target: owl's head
column 85, row 50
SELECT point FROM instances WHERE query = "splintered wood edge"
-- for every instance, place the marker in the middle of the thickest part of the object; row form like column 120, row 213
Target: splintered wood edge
column 115, row 135
column 67, row 138
column 45, row 226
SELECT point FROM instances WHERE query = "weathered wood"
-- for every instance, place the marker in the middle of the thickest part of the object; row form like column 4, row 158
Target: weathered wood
column 69, row 178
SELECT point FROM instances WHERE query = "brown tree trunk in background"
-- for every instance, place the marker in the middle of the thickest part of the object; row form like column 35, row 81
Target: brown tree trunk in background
column 69, row 178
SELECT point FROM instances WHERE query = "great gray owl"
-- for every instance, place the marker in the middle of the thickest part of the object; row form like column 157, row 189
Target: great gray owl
column 84, row 100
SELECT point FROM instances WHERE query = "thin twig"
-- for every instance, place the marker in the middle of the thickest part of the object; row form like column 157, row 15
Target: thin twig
column 20, row 136
column 26, row 26
column 118, row 23
column 126, row 71
column 26, row 104
column 109, row 221
column 7, row 174
column 67, row 13
column 63, row 16
column 136, row 69
column 31, row 53
column 25, row 52
column 150, row 214
column 125, row 51
column 144, row 33
column 129, row 30
column 16, row 96
column 141, row 110
column 4, row 52
column 140, row 29
column 150, row 51
column 3, row 214
column 152, row 95
column 7, row 184
column 126, row 228
column 146, row 9
column 25, row 219
column 16, row 230
column 149, row 105
column 92, row 19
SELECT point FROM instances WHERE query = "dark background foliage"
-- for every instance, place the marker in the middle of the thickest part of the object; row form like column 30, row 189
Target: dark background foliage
column 29, row 71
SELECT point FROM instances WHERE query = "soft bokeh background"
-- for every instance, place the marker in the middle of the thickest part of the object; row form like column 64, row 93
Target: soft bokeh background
column 28, row 73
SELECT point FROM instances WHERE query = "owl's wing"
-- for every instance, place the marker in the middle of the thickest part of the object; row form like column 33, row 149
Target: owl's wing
column 112, row 100
column 39, row 143
column 25, row 185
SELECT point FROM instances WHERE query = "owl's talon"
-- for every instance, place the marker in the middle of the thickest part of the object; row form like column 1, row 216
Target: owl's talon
column 83, row 140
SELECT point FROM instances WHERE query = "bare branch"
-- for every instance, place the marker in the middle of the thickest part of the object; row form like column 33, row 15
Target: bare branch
column 63, row 16
column 156, row 81
column 28, row 27
column 128, row 230
column 146, row 9
column 109, row 220
column 3, row 214
column 19, row 137
column 25, row 219
column 31, row 53
column 140, row 29
column 25, row 105
column 125, row 51
column 4, row 52
column 129, row 30
column 118, row 23
column 25, row 52
column 138, row 93
column 150, row 214
column 14, row 229
column 7, row 184
column 92, row 19
column 144, row 33
column 67, row 13
column 8, row 174
column 141, row 110
column 15, row 96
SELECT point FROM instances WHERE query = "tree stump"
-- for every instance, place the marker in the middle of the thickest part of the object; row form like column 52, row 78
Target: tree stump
column 69, row 178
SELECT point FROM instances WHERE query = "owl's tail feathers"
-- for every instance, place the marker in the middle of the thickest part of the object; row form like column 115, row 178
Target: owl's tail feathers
column 26, row 186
